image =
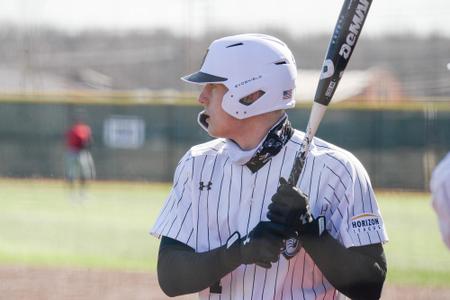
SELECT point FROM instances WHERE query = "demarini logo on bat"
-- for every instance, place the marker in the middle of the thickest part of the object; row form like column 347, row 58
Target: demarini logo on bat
column 355, row 27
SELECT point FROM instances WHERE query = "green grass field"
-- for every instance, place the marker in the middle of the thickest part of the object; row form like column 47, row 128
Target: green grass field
column 41, row 225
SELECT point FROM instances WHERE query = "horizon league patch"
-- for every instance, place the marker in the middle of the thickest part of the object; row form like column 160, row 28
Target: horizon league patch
column 365, row 223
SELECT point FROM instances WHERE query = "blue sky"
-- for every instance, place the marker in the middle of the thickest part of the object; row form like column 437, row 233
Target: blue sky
column 301, row 17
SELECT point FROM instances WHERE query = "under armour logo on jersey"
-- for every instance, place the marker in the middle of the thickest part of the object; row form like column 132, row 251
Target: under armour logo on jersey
column 202, row 185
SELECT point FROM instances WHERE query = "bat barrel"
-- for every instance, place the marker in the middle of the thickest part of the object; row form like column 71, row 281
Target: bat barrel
column 346, row 33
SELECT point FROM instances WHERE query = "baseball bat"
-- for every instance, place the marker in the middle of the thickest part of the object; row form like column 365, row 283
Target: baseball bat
column 345, row 36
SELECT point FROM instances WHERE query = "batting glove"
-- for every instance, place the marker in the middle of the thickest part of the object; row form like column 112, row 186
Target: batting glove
column 290, row 207
column 261, row 246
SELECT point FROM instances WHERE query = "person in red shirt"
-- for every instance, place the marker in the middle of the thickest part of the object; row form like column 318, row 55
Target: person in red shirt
column 79, row 163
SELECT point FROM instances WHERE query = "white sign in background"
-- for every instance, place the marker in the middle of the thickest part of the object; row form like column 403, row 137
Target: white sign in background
column 125, row 132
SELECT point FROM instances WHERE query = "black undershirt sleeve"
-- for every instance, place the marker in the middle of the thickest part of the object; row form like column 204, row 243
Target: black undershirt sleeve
column 357, row 272
column 183, row 271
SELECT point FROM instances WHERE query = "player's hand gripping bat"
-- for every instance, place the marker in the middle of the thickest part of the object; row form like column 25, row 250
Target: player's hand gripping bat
column 346, row 32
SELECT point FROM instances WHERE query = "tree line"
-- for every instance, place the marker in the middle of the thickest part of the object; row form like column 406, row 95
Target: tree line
column 155, row 59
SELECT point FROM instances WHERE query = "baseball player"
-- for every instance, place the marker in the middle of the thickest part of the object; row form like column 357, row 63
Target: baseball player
column 440, row 191
column 79, row 163
column 232, row 227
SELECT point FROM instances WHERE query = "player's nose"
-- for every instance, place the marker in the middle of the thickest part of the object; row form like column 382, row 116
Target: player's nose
column 203, row 97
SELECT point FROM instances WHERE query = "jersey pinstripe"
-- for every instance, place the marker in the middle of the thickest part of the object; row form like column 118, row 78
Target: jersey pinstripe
column 440, row 192
column 212, row 197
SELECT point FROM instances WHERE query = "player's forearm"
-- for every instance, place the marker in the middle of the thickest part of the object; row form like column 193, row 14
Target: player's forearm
column 357, row 272
column 183, row 271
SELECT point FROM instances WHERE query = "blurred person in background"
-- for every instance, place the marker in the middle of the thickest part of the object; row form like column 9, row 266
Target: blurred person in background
column 79, row 163
column 440, row 193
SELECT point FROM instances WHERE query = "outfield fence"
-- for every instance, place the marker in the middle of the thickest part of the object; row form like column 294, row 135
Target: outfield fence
column 399, row 144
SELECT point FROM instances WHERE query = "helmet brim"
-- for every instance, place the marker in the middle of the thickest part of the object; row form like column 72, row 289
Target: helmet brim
column 201, row 78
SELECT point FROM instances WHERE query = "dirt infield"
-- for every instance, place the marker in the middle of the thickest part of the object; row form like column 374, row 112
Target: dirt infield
column 26, row 283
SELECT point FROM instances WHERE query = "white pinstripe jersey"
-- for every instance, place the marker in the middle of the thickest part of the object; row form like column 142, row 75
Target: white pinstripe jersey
column 212, row 197
column 440, row 192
